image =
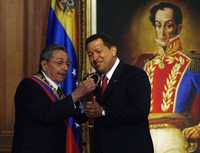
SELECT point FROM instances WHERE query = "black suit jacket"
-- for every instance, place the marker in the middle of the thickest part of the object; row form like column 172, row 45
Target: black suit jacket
column 39, row 123
column 125, row 127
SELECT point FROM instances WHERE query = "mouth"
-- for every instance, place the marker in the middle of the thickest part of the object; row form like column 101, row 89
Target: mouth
column 163, row 39
column 161, row 42
column 62, row 75
column 97, row 64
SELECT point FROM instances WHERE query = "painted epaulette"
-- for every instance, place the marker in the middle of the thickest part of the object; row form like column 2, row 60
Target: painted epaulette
column 195, row 61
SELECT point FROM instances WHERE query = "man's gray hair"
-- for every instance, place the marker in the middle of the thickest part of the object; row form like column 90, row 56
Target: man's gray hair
column 48, row 51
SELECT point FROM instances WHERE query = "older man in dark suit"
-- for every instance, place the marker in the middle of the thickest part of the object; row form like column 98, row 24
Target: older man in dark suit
column 40, row 111
column 120, row 109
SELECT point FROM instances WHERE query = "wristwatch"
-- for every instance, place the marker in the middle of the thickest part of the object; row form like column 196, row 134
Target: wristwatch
column 103, row 113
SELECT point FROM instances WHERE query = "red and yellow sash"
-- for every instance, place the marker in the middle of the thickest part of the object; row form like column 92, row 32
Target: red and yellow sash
column 37, row 79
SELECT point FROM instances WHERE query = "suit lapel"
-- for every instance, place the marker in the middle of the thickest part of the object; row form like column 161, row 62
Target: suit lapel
column 114, row 80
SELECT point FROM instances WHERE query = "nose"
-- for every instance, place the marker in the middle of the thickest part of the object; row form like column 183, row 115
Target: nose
column 95, row 56
column 163, row 31
column 65, row 67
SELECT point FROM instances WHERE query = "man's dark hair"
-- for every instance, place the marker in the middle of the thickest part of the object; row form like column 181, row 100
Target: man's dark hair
column 178, row 17
column 107, row 40
column 48, row 51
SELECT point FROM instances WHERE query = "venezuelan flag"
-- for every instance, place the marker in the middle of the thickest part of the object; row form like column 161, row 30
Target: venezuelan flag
column 62, row 30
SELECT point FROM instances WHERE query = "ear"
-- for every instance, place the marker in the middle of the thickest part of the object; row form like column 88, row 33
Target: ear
column 114, row 50
column 179, row 28
column 44, row 65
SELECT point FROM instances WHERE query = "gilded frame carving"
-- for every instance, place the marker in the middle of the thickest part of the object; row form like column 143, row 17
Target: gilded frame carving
column 86, row 30
column 85, row 17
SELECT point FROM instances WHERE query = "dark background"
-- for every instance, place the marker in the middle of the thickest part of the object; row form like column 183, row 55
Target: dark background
column 114, row 16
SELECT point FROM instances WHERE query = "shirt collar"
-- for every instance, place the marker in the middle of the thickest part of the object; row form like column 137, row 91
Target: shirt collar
column 111, row 71
column 50, row 81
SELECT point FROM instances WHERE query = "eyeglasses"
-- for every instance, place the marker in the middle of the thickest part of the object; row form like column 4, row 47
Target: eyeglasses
column 60, row 63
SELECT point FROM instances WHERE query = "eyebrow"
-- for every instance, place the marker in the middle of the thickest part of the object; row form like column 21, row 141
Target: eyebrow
column 166, row 21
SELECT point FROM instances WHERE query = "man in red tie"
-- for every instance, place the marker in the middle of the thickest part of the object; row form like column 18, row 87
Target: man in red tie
column 121, row 104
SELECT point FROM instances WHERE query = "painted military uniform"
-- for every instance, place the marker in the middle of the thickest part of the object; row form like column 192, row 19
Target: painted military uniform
column 174, row 85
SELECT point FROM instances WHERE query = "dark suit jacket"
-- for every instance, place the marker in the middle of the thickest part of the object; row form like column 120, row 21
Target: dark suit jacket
column 125, row 127
column 39, row 123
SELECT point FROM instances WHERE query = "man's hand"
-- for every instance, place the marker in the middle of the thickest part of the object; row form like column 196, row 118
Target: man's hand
column 84, row 88
column 192, row 132
column 93, row 109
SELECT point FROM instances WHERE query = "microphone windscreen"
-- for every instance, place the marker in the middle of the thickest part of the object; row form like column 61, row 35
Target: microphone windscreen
column 95, row 78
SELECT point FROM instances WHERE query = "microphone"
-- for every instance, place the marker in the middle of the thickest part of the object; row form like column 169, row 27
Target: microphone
column 95, row 76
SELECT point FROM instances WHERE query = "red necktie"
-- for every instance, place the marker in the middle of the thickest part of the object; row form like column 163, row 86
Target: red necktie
column 103, row 85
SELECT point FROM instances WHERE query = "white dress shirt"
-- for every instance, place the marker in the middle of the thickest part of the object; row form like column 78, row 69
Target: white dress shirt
column 111, row 71
column 51, row 83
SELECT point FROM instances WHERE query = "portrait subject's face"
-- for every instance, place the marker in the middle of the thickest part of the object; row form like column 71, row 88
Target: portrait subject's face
column 101, row 56
column 56, row 67
column 165, row 26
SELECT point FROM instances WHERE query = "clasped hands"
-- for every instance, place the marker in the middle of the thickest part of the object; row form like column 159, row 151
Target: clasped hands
column 93, row 109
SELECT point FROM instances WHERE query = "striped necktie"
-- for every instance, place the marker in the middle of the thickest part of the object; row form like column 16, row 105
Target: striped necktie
column 60, row 92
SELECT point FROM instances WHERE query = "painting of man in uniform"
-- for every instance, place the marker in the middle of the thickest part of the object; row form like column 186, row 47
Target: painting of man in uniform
column 162, row 37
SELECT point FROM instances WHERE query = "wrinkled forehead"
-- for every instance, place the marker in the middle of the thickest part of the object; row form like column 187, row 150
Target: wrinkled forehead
column 164, row 15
